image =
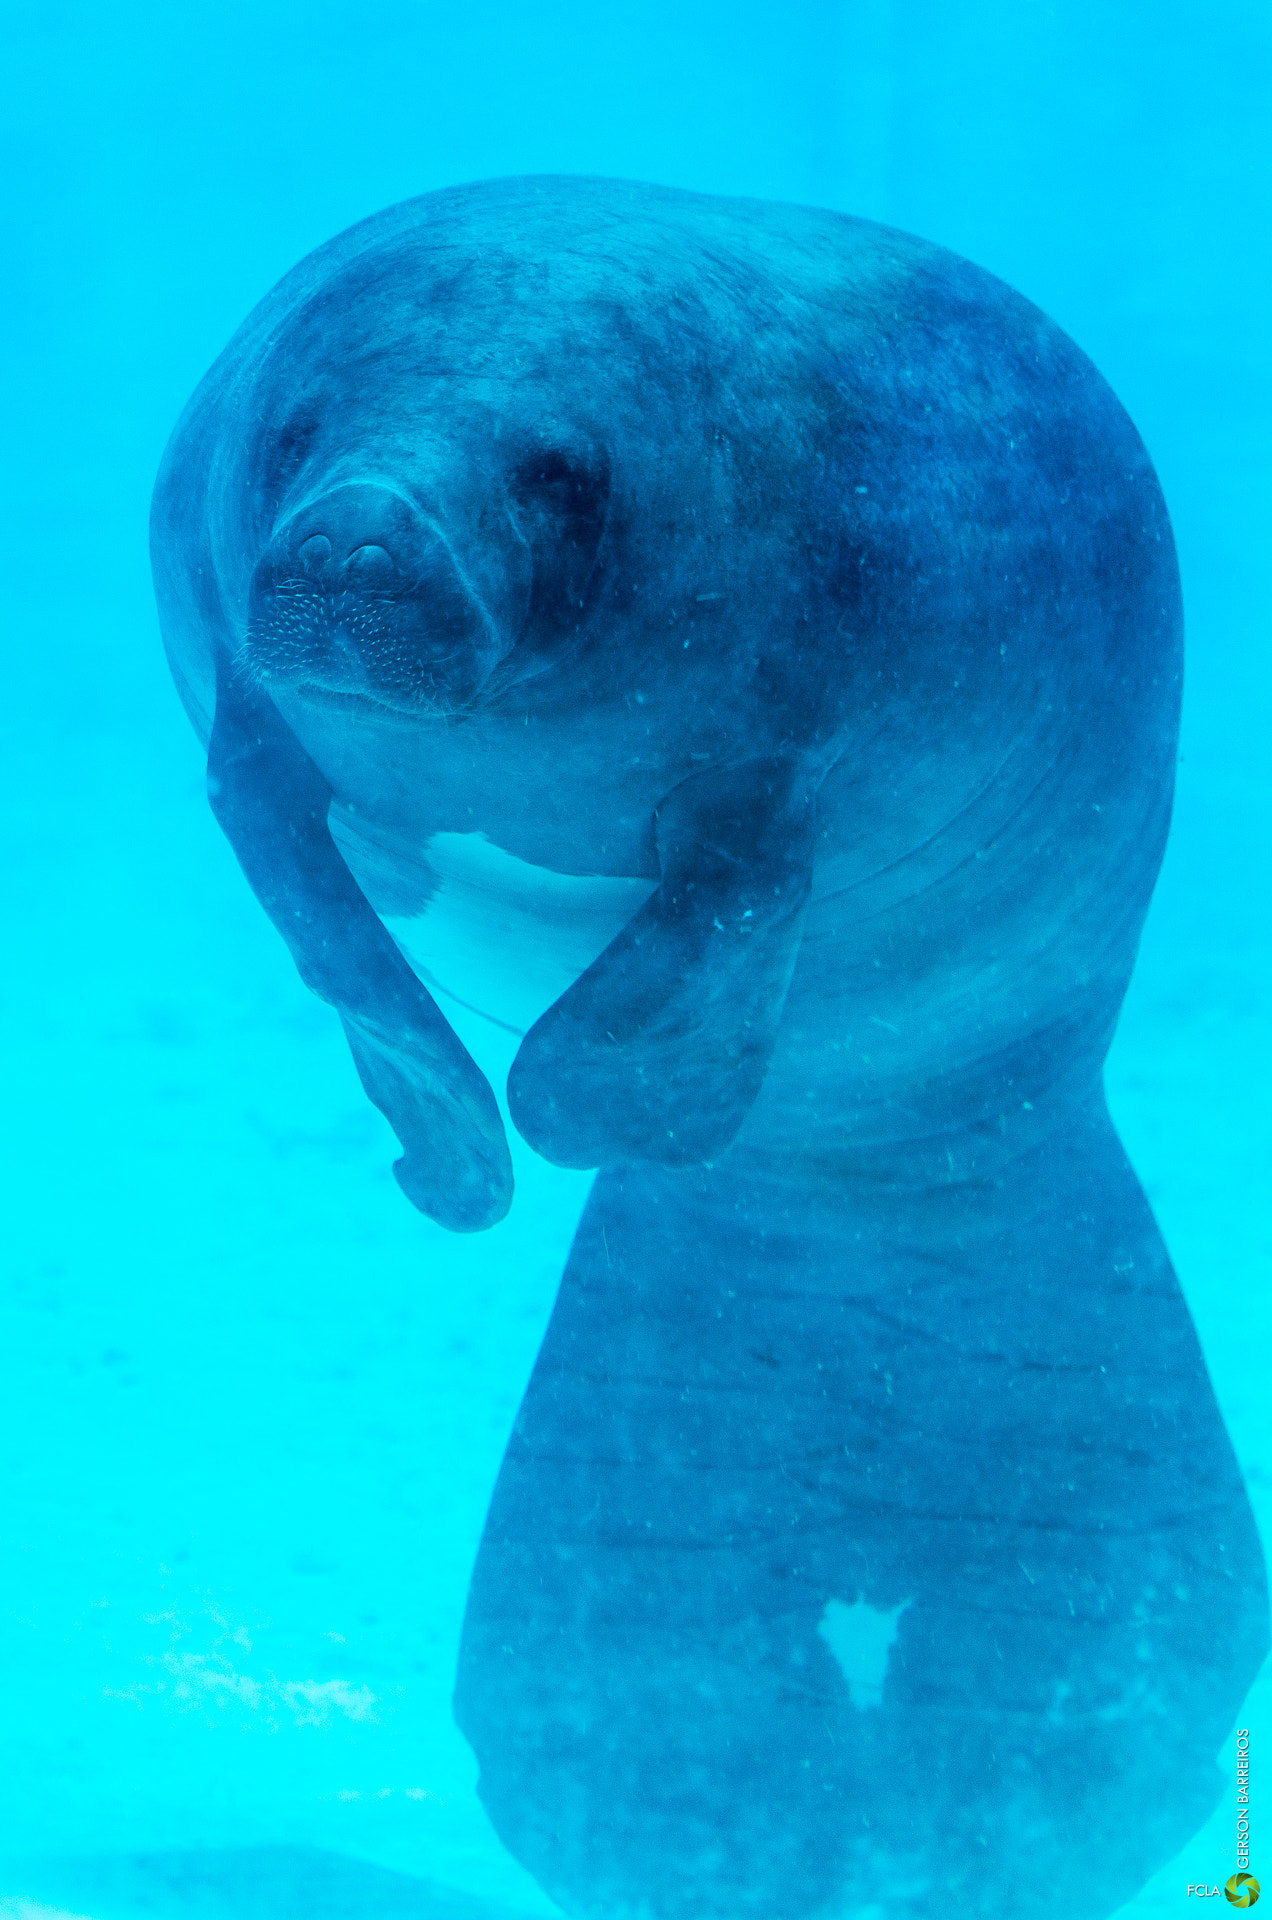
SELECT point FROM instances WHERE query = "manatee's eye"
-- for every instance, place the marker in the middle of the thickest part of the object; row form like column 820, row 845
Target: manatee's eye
column 561, row 501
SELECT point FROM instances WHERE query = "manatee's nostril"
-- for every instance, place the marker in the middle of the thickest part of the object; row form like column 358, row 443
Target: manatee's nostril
column 315, row 553
column 369, row 563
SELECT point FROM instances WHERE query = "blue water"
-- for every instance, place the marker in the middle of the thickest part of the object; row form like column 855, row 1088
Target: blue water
column 253, row 1406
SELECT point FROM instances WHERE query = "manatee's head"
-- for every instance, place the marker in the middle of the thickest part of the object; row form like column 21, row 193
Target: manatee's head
column 375, row 589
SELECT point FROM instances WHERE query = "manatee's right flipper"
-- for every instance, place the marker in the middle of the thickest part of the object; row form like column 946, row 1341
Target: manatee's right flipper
column 271, row 801
column 658, row 1050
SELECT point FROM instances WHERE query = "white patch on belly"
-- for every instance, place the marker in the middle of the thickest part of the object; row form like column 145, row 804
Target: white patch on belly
column 504, row 938
column 861, row 1637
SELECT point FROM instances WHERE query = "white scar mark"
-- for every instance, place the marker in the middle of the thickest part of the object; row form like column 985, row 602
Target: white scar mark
column 504, row 938
column 861, row 1637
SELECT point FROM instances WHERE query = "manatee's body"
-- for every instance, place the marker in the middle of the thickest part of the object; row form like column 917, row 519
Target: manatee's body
column 792, row 612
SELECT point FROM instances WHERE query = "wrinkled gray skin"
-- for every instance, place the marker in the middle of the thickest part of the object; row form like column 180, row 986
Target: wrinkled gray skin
column 809, row 572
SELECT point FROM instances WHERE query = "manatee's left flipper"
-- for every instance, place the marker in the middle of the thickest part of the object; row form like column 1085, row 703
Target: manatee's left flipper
column 271, row 802
column 659, row 1049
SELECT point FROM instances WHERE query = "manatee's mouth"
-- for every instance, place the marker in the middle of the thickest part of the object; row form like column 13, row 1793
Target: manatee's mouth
column 359, row 650
column 359, row 600
column 351, row 701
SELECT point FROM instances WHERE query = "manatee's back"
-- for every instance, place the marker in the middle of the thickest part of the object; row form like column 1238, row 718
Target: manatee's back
column 1009, row 614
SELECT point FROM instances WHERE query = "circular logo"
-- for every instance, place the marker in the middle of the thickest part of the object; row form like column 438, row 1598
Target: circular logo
column 1242, row 1889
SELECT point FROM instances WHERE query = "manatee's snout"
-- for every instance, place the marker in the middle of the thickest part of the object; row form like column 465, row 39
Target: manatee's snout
column 359, row 535
column 359, row 592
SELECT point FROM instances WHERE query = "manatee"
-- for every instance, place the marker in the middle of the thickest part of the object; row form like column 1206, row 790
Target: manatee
column 761, row 630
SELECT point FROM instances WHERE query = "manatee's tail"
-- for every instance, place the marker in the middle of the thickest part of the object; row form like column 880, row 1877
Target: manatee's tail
column 841, row 1561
